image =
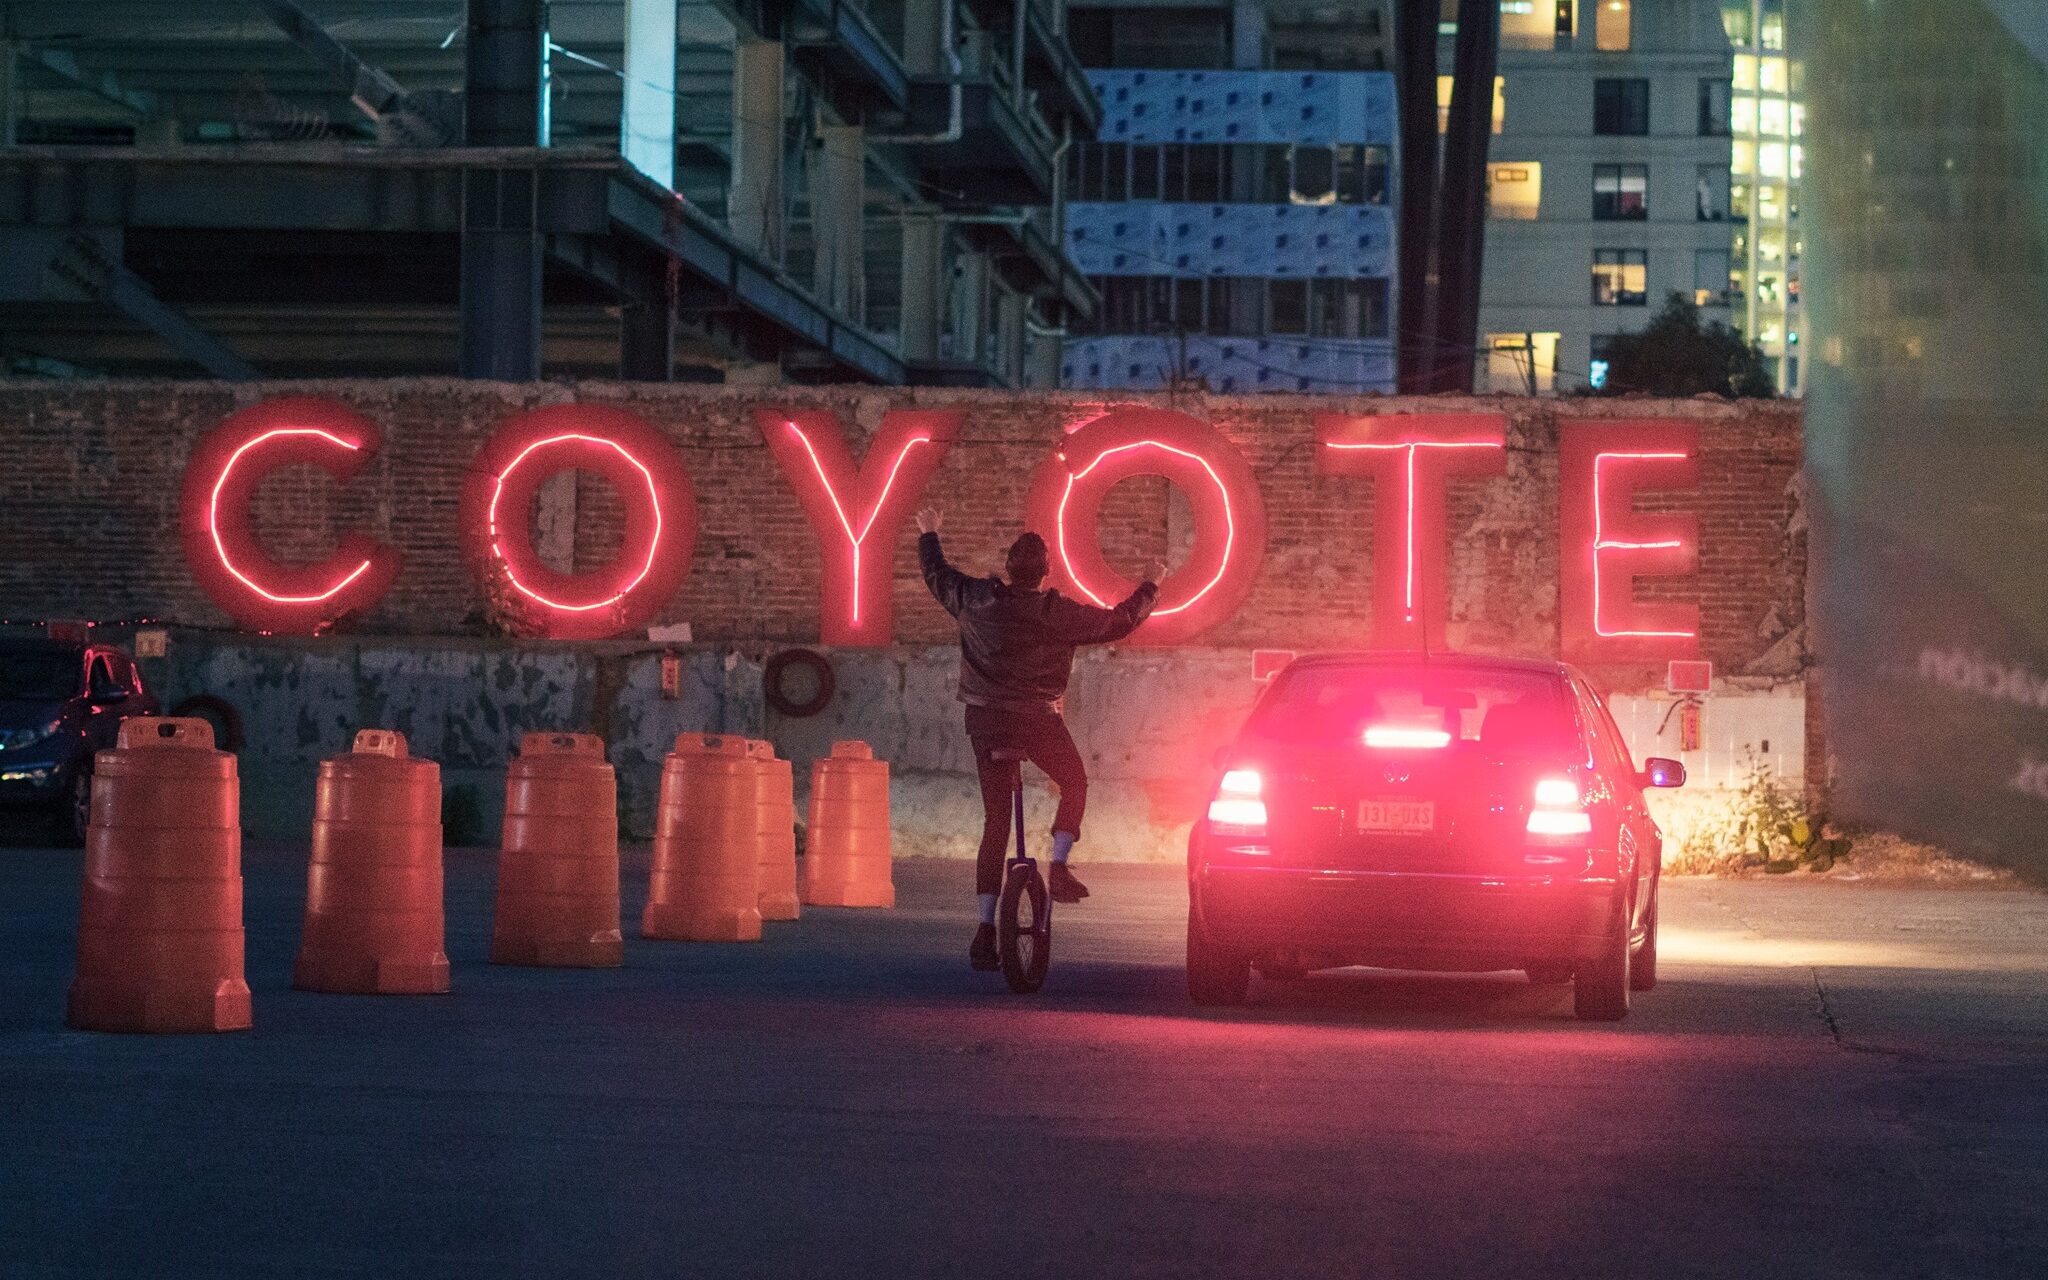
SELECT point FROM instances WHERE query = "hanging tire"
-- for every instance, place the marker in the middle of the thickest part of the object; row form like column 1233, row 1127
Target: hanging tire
column 778, row 666
column 1023, row 936
column 1215, row 976
column 1600, row 987
column 1642, row 969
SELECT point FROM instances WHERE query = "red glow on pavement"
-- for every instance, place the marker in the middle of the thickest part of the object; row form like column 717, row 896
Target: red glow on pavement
column 1603, row 543
column 1223, row 498
column 498, row 548
column 220, row 545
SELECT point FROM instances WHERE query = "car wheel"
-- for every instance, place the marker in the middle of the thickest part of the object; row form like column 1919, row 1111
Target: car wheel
column 1642, row 970
column 75, row 814
column 1215, row 976
column 1552, row 974
column 1600, row 987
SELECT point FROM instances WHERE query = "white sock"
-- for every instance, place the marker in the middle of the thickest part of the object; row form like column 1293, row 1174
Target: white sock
column 988, row 907
column 1062, row 844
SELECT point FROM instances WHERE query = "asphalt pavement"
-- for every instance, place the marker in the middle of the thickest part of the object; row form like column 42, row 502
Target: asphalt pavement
column 1830, row 1081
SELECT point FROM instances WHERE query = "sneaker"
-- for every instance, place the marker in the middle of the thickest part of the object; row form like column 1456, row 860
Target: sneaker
column 982, row 955
column 1065, row 888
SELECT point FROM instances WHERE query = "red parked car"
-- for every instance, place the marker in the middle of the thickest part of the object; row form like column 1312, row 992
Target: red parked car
column 1440, row 812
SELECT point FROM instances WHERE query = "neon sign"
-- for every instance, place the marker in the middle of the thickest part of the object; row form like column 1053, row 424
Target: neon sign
column 1609, row 543
column 858, row 513
column 660, row 519
column 1411, row 459
column 1229, row 515
column 221, row 546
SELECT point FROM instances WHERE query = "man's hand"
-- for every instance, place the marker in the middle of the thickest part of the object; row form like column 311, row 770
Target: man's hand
column 928, row 520
column 1154, row 570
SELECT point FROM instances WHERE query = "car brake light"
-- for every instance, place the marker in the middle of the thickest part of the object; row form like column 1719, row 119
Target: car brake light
column 1557, row 811
column 1405, row 737
column 1239, row 807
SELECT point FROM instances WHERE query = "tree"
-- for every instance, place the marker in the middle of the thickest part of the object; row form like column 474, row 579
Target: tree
column 1677, row 354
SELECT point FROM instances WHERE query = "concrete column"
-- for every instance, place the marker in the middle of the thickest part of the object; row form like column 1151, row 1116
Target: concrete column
column 754, row 204
column 923, row 287
column 505, row 84
column 504, row 105
column 647, row 116
column 970, row 306
column 838, row 210
column 926, row 24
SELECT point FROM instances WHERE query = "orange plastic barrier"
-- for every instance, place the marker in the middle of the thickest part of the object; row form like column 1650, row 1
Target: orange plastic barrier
column 775, row 831
column 374, row 923
column 160, row 920
column 703, row 887
column 846, row 853
column 558, row 864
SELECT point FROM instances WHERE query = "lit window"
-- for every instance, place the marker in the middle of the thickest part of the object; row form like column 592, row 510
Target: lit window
column 1443, row 103
column 1521, row 363
column 1610, row 26
column 1621, row 192
column 1798, row 119
column 1514, row 191
column 1621, row 278
column 1742, row 115
column 1742, row 157
column 1798, row 161
column 1771, row 75
column 1745, row 71
column 1771, row 117
column 1770, row 159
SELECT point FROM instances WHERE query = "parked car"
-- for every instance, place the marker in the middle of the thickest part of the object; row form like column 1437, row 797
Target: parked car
column 1429, row 812
column 60, row 703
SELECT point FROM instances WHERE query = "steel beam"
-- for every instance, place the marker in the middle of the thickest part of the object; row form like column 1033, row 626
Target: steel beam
column 501, row 275
column 107, row 85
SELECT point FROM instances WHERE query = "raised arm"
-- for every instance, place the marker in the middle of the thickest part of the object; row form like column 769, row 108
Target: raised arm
column 948, row 584
column 1079, row 623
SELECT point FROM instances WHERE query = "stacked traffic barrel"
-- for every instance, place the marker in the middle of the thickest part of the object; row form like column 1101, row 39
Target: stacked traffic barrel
column 846, row 852
column 704, row 883
column 374, row 922
column 774, row 831
column 558, row 863
column 160, row 918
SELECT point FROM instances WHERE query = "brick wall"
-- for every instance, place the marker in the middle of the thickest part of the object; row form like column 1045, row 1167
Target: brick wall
column 90, row 494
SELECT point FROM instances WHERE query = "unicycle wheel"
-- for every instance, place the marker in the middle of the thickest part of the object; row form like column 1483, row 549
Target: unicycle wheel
column 1023, row 930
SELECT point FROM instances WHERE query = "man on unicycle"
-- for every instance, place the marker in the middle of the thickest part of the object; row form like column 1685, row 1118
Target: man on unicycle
column 1017, row 647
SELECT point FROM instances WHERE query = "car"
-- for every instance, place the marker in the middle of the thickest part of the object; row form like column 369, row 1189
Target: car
column 60, row 703
column 1428, row 812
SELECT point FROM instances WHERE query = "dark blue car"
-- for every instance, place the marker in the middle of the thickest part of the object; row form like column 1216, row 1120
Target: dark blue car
column 60, row 703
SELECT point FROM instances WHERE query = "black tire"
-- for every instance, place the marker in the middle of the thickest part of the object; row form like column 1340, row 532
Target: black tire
column 220, row 713
column 1600, row 987
column 1023, row 936
column 1552, row 974
column 1215, row 976
column 822, row 688
column 74, row 811
column 1642, row 969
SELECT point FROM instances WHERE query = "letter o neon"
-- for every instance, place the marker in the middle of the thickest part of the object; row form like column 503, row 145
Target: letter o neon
column 661, row 519
column 1230, row 516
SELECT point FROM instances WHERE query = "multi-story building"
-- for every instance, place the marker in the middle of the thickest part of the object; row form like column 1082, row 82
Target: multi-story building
column 1767, row 120
column 1235, row 217
column 1608, row 182
column 761, row 190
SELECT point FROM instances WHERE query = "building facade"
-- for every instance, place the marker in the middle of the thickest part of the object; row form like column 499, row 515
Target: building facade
column 1608, row 182
column 1235, row 217
column 1767, row 122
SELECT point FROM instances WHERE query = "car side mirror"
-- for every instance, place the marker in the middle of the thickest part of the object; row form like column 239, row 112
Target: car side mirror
column 109, row 699
column 1659, row 772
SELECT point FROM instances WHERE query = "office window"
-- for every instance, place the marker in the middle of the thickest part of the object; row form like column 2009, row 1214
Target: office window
column 1144, row 173
column 1565, row 23
column 1710, row 277
column 1514, row 191
column 1287, row 306
column 1621, row 278
column 1116, row 185
column 1443, row 103
column 1610, row 25
column 1710, row 193
column 1621, row 192
column 1713, row 108
column 1237, row 306
column 1521, row 363
column 1188, row 297
column 1361, row 174
column 1599, row 359
column 1275, row 176
column 1365, row 308
column 1315, row 175
column 1621, row 107
column 1173, row 181
column 1205, row 173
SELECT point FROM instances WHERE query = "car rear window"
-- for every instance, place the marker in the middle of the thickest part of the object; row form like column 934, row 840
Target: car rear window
column 38, row 676
column 1502, row 713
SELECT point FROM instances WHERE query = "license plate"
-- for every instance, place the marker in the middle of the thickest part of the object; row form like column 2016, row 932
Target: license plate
column 1397, row 817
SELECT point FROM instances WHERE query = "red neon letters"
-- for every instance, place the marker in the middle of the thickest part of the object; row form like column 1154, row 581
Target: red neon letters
column 1607, row 543
column 221, row 547
column 858, row 512
column 1230, row 517
column 661, row 519
column 1411, row 459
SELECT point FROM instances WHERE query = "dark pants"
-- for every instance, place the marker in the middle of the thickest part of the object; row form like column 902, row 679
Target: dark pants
column 1041, row 736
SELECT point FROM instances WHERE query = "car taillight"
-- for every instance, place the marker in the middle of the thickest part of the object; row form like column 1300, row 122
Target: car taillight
column 1398, row 737
column 1557, row 811
column 1239, row 808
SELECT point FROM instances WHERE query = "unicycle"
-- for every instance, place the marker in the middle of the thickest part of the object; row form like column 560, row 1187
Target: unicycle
column 1024, row 911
